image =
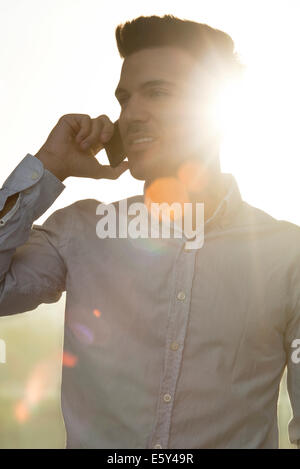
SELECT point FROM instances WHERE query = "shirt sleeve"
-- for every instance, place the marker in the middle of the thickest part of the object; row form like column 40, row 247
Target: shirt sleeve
column 292, row 345
column 32, row 269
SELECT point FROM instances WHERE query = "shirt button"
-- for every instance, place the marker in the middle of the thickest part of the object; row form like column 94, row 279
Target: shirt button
column 181, row 295
column 1, row 222
column 34, row 175
column 158, row 446
column 167, row 397
column 174, row 346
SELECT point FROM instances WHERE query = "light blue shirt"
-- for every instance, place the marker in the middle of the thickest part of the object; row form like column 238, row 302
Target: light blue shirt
column 165, row 347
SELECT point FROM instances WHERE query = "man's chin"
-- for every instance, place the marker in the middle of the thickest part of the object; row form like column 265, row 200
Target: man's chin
column 135, row 172
column 138, row 175
column 140, row 171
column 147, row 172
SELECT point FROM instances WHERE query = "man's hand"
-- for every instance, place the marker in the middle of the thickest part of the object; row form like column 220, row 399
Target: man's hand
column 72, row 145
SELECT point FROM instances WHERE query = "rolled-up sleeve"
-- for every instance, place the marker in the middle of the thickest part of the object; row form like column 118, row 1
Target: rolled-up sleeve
column 32, row 269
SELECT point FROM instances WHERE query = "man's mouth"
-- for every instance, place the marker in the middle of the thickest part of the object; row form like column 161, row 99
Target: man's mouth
column 141, row 143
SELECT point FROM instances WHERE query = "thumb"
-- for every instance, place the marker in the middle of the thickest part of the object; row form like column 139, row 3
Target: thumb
column 107, row 172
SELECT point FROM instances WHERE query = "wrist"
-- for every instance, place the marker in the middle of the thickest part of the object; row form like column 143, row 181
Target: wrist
column 52, row 164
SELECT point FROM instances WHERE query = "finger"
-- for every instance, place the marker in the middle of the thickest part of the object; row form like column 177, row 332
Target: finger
column 107, row 128
column 85, row 127
column 96, row 148
column 91, row 168
column 101, row 131
column 93, row 140
column 107, row 172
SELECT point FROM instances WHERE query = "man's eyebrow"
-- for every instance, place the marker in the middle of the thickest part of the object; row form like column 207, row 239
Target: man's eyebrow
column 146, row 84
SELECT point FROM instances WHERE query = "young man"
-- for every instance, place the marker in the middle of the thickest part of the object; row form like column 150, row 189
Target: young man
column 167, row 347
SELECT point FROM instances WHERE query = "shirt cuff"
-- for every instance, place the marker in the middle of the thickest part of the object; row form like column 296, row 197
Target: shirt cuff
column 12, row 211
column 25, row 179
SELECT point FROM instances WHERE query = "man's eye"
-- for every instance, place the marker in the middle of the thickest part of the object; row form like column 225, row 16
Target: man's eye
column 158, row 93
column 152, row 93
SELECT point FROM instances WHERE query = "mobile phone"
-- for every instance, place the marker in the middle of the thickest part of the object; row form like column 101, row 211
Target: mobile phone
column 114, row 148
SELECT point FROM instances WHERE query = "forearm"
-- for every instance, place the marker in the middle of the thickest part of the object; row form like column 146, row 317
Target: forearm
column 34, row 190
column 26, row 194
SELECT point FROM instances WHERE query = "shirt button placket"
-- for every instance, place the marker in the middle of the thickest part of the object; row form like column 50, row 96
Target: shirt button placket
column 167, row 397
column 175, row 338
column 174, row 346
column 181, row 296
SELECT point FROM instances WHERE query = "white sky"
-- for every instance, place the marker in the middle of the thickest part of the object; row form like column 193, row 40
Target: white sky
column 60, row 56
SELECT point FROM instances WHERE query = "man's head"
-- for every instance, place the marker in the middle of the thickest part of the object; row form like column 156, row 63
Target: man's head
column 172, row 71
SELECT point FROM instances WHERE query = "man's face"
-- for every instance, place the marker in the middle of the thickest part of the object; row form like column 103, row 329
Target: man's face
column 163, row 94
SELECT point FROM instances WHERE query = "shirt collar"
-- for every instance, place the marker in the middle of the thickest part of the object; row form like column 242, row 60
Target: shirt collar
column 229, row 204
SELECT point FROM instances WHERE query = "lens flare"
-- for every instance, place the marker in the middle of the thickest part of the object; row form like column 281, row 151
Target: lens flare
column 97, row 313
column 82, row 333
column 21, row 411
column 149, row 246
column 69, row 360
column 40, row 383
column 166, row 190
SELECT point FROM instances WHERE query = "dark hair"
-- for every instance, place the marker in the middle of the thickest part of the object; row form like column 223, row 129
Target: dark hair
column 212, row 47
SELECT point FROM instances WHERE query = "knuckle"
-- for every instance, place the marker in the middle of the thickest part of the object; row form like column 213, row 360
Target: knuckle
column 103, row 117
column 85, row 117
column 85, row 121
column 104, row 120
column 65, row 116
column 107, row 130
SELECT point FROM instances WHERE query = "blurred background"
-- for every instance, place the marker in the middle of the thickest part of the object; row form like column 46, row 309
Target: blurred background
column 59, row 57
